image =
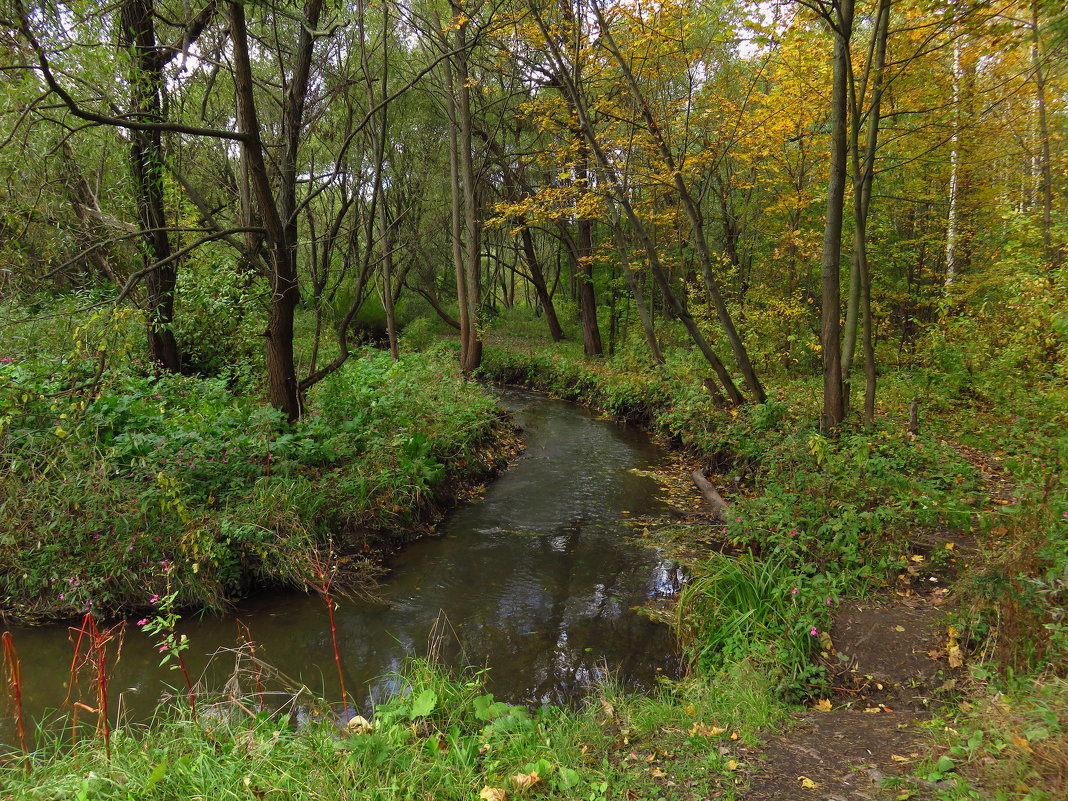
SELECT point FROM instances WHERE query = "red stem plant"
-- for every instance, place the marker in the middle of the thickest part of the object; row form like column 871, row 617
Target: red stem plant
column 13, row 674
column 95, row 654
column 325, row 571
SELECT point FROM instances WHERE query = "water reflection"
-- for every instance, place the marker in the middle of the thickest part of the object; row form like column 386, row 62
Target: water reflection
column 537, row 581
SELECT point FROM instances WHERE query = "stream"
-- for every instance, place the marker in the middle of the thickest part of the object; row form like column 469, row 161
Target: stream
column 538, row 581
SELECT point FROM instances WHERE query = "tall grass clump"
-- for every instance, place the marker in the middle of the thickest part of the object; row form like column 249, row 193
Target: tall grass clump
column 743, row 608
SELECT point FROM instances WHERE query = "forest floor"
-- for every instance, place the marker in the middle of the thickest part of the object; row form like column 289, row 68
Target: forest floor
column 894, row 664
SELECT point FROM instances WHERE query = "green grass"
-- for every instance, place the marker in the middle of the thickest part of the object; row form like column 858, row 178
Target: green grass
column 442, row 738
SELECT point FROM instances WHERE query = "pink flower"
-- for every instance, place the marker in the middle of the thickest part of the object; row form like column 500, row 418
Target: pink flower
column 793, row 533
column 153, row 599
column 828, row 601
column 813, row 631
column 162, row 647
column 793, row 591
column 143, row 621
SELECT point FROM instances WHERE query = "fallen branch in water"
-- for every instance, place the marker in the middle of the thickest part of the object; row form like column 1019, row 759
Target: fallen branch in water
column 715, row 500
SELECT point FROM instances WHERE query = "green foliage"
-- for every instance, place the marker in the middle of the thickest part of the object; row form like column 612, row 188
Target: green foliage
column 109, row 475
column 739, row 608
column 1015, row 601
column 218, row 317
column 1011, row 743
column 441, row 737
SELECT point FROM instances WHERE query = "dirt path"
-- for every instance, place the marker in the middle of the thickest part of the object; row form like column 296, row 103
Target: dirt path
column 892, row 668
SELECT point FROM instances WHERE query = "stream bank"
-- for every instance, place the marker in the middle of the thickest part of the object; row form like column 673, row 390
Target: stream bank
column 188, row 485
column 538, row 580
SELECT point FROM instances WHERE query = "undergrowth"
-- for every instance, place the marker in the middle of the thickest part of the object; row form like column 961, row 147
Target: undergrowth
column 109, row 476
column 441, row 737
column 811, row 518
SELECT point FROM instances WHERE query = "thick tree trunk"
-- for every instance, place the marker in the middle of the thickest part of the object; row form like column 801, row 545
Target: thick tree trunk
column 279, row 220
column 863, row 177
column 472, row 221
column 456, row 212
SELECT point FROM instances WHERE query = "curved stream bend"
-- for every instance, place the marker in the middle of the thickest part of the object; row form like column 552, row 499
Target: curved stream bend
column 536, row 581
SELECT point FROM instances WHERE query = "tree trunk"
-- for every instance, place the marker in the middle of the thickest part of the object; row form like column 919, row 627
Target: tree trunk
column 830, row 271
column 863, row 178
column 591, row 332
column 472, row 227
column 537, row 278
column 954, row 170
column 1051, row 254
column 693, row 216
column 279, row 221
column 146, row 164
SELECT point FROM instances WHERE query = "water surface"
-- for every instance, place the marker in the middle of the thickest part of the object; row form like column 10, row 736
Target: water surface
column 537, row 581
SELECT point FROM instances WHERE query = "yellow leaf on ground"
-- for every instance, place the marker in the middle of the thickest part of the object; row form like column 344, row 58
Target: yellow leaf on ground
column 899, row 758
column 524, row 780
column 360, row 725
column 1022, row 743
column 706, row 731
column 916, row 557
column 807, row 783
column 493, row 794
column 656, row 773
column 731, row 765
column 899, row 628
column 956, row 656
column 823, row 705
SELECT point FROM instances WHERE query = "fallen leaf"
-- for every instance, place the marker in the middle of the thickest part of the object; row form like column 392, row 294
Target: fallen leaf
column 956, row 656
column 493, row 794
column 826, row 643
column 807, row 783
column 899, row 628
column 656, row 773
column 823, row 705
column 899, row 758
column 731, row 765
column 872, row 709
column 522, row 781
column 949, row 546
column 608, row 709
column 735, row 735
column 1022, row 743
column 706, row 731
column 916, row 557
column 360, row 725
